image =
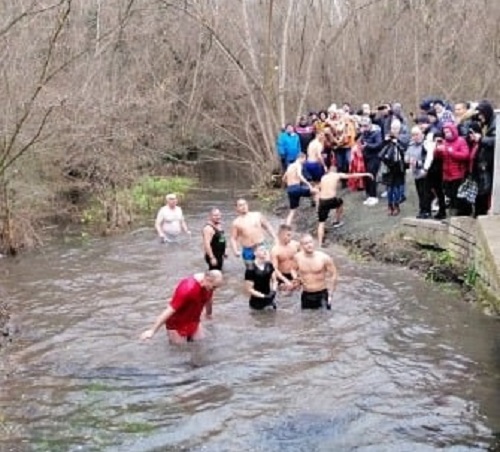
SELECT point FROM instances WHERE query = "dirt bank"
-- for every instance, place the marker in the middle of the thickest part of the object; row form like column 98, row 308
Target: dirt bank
column 370, row 233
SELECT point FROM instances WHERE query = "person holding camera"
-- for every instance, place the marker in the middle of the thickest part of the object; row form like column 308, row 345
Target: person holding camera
column 454, row 152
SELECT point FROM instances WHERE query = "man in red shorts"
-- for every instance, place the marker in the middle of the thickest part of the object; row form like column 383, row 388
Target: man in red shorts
column 182, row 316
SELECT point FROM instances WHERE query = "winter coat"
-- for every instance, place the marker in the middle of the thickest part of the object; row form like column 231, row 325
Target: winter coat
column 454, row 154
column 372, row 143
column 393, row 157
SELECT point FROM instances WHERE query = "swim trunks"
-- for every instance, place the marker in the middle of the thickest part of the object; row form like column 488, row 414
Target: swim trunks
column 314, row 300
column 314, row 170
column 295, row 192
column 325, row 205
column 261, row 303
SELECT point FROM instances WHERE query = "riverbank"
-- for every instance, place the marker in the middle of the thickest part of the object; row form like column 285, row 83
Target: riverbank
column 369, row 233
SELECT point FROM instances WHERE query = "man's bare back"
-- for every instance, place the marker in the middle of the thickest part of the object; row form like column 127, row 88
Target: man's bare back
column 293, row 174
column 328, row 185
column 314, row 151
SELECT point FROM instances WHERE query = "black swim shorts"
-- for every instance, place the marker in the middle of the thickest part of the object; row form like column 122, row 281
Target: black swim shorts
column 325, row 205
column 314, row 300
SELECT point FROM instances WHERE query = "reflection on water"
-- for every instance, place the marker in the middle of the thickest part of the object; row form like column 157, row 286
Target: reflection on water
column 395, row 366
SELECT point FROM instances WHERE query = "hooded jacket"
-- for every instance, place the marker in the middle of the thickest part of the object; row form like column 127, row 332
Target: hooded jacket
column 454, row 153
column 482, row 164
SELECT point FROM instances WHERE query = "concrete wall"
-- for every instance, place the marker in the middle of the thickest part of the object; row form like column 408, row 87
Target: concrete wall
column 473, row 244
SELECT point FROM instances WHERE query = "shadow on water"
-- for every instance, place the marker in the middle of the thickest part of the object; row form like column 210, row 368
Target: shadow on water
column 397, row 365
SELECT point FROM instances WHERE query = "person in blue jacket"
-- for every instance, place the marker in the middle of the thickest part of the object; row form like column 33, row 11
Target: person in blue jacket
column 288, row 145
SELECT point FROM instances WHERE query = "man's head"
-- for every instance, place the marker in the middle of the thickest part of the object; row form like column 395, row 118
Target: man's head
column 289, row 129
column 417, row 136
column 212, row 279
column 395, row 128
column 215, row 216
column 460, row 109
column 432, row 116
column 171, row 200
column 438, row 106
column 241, row 206
column 365, row 124
column 366, row 110
column 307, row 243
column 285, row 234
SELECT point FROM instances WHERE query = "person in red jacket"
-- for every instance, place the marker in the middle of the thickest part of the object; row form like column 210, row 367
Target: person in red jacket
column 455, row 155
column 182, row 317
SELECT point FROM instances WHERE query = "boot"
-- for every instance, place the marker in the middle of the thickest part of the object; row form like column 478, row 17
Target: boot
column 397, row 210
column 390, row 210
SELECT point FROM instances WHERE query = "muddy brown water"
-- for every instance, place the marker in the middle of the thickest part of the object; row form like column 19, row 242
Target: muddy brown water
column 397, row 365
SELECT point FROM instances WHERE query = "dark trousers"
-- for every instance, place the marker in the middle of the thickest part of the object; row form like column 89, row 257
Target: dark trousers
column 424, row 203
column 482, row 204
column 372, row 166
column 434, row 187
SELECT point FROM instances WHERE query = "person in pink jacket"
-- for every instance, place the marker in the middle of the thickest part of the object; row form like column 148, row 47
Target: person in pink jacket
column 455, row 155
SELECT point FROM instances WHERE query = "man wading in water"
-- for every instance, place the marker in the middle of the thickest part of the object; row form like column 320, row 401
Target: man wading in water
column 182, row 316
column 328, row 199
column 248, row 231
column 313, row 268
column 170, row 220
column 282, row 257
column 214, row 241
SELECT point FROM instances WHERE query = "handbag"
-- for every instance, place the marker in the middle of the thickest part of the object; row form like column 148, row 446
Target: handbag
column 468, row 190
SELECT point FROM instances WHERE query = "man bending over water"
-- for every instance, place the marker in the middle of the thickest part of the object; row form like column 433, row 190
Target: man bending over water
column 317, row 273
column 182, row 316
column 248, row 231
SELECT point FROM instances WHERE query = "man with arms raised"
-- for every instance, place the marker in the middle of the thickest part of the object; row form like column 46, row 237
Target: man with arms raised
column 282, row 257
column 248, row 231
column 296, row 186
column 170, row 220
column 328, row 199
column 317, row 273
column 214, row 241
column 182, row 316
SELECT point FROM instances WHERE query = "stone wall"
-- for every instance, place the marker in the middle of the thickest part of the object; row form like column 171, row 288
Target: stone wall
column 474, row 246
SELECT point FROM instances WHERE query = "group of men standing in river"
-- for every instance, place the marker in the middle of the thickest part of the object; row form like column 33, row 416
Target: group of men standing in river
column 289, row 265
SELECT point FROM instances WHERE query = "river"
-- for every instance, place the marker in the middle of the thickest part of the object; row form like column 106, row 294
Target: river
column 397, row 365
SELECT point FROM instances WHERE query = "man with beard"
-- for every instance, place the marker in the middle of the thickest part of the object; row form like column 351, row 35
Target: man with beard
column 214, row 241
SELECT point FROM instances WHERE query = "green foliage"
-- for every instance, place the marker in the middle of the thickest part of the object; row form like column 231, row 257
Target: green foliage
column 149, row 193
column 471, row 276
column 445, row 258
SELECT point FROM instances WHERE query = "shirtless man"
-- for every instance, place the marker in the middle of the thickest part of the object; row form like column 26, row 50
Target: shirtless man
column 313, row 268
column 282, row 257
column 248, row 231
column 314, row 165
column 170, row 220
column 328, row 199
column 297, row 186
